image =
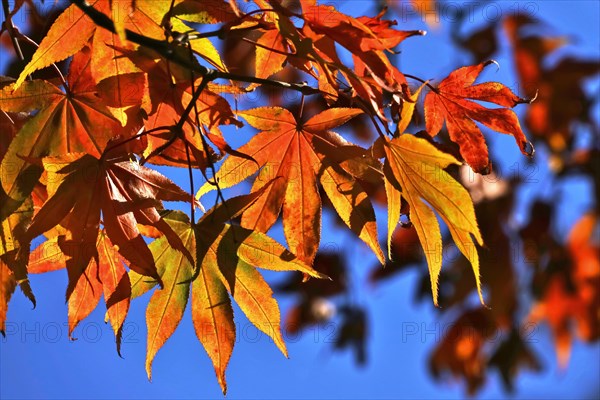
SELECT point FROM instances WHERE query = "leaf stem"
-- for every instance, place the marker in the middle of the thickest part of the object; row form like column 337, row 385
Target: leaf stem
column 129, row 139
column 301, row 108
column 177, row 129
column 272, row 50
column 422, row 81
column 191, row 176
column 60, row 75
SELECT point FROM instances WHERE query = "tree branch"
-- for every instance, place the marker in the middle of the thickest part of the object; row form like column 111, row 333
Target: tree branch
column 8, row 24
column 166, row 49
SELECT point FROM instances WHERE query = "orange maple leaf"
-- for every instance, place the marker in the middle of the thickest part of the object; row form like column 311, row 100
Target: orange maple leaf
column 81, row 188
column 226, row 256
column 450, row 102
column 76, row 121
column 303, row 154
column 170, row 92
column 105, row 274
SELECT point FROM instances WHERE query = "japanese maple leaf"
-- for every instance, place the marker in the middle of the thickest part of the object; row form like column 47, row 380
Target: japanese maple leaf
column 81, row 188
column 453, row 103
column 170, row 92
column 14, row 247
column 358, row 35
column 304, row 155
column 205, row 12
column 327, row 66
column 14, row 251
column 511, row 356
column 496, row 266
column 562, row 98
column 353, row 332
column 66, row 121
column 461, row 351
column 120, row 83
column 558, row 305
column 414, row 171
column 104, row 274
column 270, row 53
column 73, row 28
column 226, row 256
column 365, row 37
column 570, row 299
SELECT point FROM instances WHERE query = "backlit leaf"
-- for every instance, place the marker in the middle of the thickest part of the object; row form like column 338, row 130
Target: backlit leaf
column 301, row 154
column 74, row 122
column 415, row 168
column 453, row 103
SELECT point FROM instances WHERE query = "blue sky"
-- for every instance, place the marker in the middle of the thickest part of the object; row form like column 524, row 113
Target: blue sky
column 38, row 361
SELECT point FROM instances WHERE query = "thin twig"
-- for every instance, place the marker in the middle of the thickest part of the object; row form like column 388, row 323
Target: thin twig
column 301, row 108
column 191, row 176
column 219, row 33
column 59, row 73
column 422, row 81
column 134, row 137
column 177, row 129
column 10, row 27
column 166, row 49
column 272, row 50
column 226, row 28
column 195, row 96
column 205, row 146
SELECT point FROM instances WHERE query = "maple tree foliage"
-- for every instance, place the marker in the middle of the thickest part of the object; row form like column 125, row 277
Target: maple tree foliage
column 117, row 88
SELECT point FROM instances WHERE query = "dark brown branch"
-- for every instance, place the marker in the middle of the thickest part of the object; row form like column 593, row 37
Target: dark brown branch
column 10, row 28
column 422, row 81
column 177, row 129
column 191, row 177
column 195, row 96
column 226, row 29
column 166, row 49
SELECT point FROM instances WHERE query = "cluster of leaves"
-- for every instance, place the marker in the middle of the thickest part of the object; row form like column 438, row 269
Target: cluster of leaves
column 562, row 269
column 145, row 84
column 558, row 273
